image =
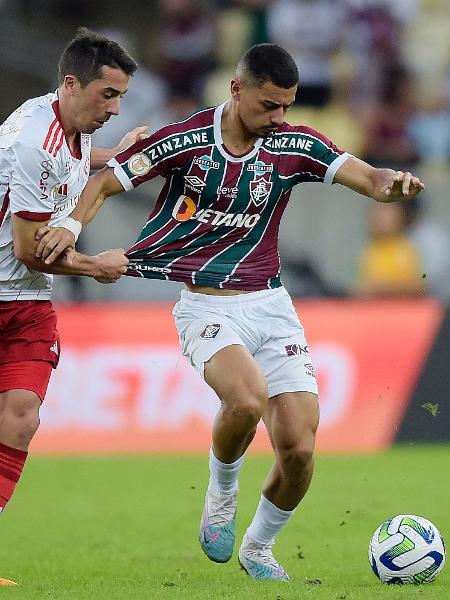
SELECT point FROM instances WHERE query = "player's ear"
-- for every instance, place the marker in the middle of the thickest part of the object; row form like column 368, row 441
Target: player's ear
column 235, row 88
column 71, row 83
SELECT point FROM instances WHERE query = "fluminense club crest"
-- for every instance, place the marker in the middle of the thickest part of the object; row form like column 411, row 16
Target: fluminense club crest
column 260, row 190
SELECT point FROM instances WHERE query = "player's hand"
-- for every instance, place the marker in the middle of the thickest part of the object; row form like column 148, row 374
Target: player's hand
column 111, row 265
column 137, row 134
column 403, row 186
column 54, row 241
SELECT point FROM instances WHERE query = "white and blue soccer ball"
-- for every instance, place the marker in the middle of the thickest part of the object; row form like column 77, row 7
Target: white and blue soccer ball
column 407, row 549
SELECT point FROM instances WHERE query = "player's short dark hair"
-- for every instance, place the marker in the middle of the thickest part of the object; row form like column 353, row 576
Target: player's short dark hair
column 268, row 62
column 88, row 52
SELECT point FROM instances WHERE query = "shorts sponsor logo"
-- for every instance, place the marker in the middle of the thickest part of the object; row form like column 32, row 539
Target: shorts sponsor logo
column 260, row 190
column 296, row 350
column 139, row 164
column 54, row 348
column 210, row 331
column 205, row 163
column 193, row 183
column 310, row 370
column 184, row 208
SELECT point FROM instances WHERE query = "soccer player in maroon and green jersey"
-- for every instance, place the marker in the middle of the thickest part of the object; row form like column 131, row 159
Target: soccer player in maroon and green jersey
column 229, row 172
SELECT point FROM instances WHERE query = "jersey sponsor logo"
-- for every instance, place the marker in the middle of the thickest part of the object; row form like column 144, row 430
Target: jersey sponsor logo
column 47, row 167
column 218, row 218
column 211, row 331
column 171, row 145
column 69, row 204
column 228, row 192
column 259, row 167
column 184, row 208
column 139, row 164
column 58, row 192
column 294, row 142
column 140, row 267
column 296, row 350
column 260, row 190
column 193, row 183
column 205, row 163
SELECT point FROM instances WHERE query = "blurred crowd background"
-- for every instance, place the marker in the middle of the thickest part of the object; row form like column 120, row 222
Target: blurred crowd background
column 374, row 77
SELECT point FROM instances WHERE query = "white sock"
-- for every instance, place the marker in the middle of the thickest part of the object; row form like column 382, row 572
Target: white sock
column 224, row 476
column 267, row 522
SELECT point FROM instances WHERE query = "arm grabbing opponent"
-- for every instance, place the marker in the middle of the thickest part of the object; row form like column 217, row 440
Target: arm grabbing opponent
column 54, row 241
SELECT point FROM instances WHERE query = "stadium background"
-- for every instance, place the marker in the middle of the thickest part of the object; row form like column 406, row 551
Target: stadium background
column 382, row 364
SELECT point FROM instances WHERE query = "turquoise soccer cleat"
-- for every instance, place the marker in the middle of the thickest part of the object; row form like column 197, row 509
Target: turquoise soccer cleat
column 217, row 527
column 258, row 561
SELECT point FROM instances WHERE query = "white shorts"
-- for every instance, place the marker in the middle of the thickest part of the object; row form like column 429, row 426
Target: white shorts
column 265, row 322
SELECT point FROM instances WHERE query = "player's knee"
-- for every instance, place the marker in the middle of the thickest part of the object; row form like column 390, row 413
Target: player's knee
column 29, row 425
column 296, row 458
column 247, row 412
column 247, row 399
column 248, row 405
column 21, row 416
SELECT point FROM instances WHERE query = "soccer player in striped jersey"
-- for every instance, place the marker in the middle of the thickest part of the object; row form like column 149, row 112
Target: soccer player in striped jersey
column 45, row 158
column 229, row 171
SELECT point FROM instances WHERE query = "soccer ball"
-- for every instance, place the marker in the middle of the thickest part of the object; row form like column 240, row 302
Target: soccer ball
column 407, row 549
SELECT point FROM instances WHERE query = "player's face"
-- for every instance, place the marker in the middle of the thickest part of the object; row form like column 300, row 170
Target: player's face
column 95, row 103
column 262, row 109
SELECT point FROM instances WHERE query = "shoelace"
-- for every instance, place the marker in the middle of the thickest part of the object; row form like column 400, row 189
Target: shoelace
column 221, row 509
column 262, row 554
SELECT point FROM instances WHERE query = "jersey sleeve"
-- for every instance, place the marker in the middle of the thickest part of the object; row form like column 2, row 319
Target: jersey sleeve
column 318, row 158
column 34, row 180
column 146, row 159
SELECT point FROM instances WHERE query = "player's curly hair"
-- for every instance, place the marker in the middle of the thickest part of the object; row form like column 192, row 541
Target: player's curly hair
column 268, row 62
column 88, row 52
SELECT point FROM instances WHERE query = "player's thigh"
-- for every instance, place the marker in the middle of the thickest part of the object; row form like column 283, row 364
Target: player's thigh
column 22, row 378
column 291, row 420
column 235, row 376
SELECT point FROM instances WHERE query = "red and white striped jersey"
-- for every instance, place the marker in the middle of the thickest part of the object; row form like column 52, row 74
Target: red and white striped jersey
column 40, row 180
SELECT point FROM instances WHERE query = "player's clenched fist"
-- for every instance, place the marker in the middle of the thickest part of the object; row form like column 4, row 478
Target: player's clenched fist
column 111, row 265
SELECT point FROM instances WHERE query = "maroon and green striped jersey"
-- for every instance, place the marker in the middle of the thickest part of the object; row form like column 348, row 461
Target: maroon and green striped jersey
column 217, row 218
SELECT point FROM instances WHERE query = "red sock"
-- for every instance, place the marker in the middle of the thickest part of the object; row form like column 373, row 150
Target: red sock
column 11, row 467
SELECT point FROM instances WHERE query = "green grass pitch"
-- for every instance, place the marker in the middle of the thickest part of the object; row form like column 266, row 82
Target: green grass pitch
column 126, row 527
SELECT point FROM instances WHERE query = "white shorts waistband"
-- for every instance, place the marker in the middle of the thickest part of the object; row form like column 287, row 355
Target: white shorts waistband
column 233, row 299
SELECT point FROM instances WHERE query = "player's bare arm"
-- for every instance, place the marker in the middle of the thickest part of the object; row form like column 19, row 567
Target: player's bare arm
column 100, row 156
column 106, row 267
column 54, row 241
column 383, row 185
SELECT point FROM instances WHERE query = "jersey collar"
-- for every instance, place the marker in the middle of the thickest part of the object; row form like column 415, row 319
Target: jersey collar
column 218, row 140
